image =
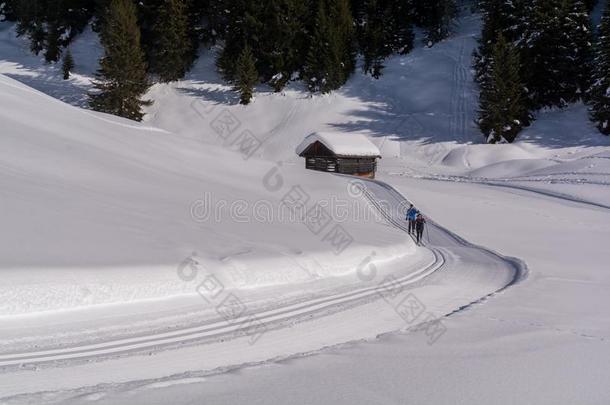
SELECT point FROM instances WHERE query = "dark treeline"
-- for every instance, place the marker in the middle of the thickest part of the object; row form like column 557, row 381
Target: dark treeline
column 267, row 41
column 539, row 54
column 532, row 54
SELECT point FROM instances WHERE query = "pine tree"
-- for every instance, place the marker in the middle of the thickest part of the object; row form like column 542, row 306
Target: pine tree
column 282, row 41
column 243, row 25
column 67, row 65
column 246, row 75
column 499, row 17
column 344, row 39
column 590, row 4
column 543, row 56
column 121, row 80
column 502, row 109
column 319, row 58
column 51, row 24
column 600, row 93
column 52, row 43
column 401, row 26
column 209, row 19
column 375, row 44
column 384, row 27
column 7, row 10
column 31, row 22
column 446, row 14
column 436, row 16
column 557, row 52
column 576, row 50
column 331, row 56
column 172, row 53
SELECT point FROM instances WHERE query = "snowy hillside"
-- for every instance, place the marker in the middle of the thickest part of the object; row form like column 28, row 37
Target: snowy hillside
column 167, row 261
column 121, row 208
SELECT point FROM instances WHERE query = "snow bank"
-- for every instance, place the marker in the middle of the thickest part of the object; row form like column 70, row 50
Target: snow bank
column 477, row 156
column 343, row 145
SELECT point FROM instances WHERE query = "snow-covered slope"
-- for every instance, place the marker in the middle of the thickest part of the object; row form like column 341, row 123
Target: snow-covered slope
column 103, row 210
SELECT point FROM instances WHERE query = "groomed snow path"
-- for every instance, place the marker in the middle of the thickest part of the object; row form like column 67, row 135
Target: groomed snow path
column 456, row 276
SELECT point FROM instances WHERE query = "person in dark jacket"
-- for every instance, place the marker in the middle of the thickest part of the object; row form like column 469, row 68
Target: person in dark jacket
column 420, row 223
column 411, row 217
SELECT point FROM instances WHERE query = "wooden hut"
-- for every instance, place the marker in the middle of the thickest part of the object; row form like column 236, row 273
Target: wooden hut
column 352, row 154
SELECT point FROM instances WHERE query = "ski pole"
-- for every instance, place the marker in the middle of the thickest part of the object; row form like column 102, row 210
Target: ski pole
column 427, row 233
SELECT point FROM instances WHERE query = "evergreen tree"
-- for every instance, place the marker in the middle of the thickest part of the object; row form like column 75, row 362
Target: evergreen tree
column 375, row 43
column 121, row 80
column 577, row 52
column 275, row 30
column 557, row 52
column 343, row 38
column 52, row 43
column 319, row 58
column 67, row 65
column 30, row 22
column 283, row 41
column 7, row 10
column 600, row 94
column 246, row 75
column 171, row 44
column 316, row 38
column 331, row 56
column 209, row 19
column 542, row 52
column 51, row 24
column 384, row 27
column 590, row 4
column 502, row 109
column 436, row 16
column 499, row 17
column 243, row 25
column 401, row 27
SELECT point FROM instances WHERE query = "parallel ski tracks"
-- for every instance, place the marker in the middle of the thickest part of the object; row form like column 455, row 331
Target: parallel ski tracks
column 214, row 331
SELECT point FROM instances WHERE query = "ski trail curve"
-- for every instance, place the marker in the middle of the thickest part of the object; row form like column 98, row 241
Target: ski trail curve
column 455, row 277
column 377, row 191
column 213, row 330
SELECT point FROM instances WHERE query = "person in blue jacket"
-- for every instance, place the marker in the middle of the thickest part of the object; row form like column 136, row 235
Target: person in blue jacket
column 411, row 217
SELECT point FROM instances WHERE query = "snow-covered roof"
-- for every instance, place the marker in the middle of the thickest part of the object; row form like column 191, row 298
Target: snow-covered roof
column 341, row 144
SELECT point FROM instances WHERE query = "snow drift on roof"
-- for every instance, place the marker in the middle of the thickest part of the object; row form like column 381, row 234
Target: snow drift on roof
column 342, row 144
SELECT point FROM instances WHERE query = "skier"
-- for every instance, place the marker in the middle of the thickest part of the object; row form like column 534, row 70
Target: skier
column 411, row 217
column 420, row 223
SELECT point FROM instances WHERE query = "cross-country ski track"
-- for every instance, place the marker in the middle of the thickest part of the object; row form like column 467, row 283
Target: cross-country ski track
column 451, row 276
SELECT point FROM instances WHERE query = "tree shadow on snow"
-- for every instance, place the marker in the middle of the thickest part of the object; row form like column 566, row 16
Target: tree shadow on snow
column 51, row 83
column 225, row 96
